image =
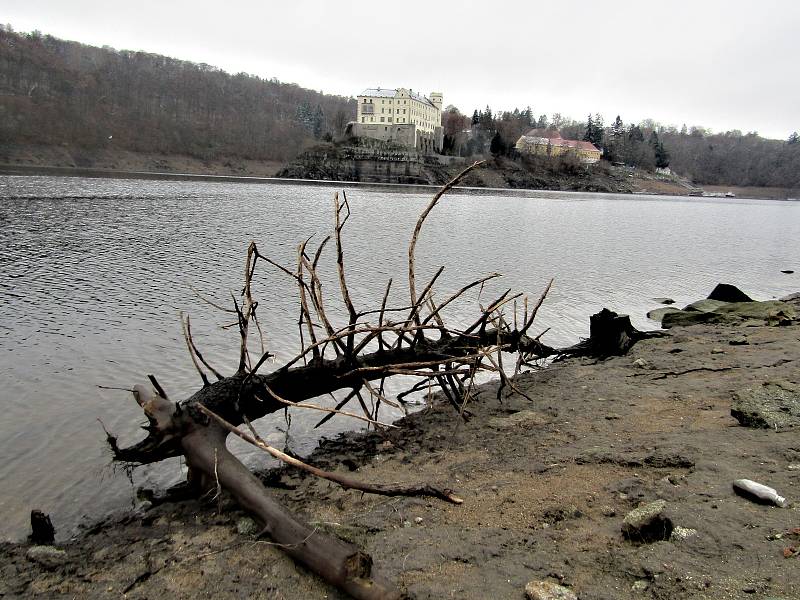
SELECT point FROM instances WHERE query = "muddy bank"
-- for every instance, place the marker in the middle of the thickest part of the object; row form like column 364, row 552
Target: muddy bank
column 111, row 159
column 547, row 483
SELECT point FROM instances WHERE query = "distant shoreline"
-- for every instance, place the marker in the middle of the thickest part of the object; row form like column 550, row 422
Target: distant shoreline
column 99, row 173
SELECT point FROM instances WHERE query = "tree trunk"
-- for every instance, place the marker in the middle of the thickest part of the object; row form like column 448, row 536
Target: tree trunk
column 336, row 561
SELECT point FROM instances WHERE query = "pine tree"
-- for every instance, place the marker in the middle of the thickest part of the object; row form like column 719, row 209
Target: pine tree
column 318, row 122
column 617, row 129
column 487, row 119
column 476, row 117
column 527, row 117
column 614, row 150
column 662, row 156
column 588, row 136
column 305, row 116
column 497, row 145
column 599, row 131
column 635, row 134
column 793, row 139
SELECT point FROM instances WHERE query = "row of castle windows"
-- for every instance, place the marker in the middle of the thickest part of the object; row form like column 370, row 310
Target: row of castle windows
column 389, row 120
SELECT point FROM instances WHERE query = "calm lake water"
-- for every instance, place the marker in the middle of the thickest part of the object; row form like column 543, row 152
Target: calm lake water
column 94, row 273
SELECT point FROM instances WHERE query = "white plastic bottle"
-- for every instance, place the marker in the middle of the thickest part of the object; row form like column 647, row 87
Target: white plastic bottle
column 758, row 492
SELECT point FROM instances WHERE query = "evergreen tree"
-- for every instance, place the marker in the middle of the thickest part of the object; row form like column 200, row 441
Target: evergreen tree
column 589, row 134
column 662, row 156
column 318, row 122
column 497, row 146
column 599, row 131
column 476, row 117
column 635, row 134
column 542, row 122
column 617, row 129
column 793, row 139
column 305, row 115
column 527, row 117
column 487, row 119
column 615, row 149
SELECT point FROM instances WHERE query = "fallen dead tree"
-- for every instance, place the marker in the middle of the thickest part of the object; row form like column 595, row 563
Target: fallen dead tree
column 357, row 357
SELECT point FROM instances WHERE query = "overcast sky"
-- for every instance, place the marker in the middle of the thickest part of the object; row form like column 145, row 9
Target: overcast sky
column 723, row 64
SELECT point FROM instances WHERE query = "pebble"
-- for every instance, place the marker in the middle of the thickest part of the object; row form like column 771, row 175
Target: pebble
column 547, row 590
column 647, row 523
column 640, row 363
column 247, row 526
column 682, row 533
column 608, row 511
column 717, row 351
column 739, row 341
column 640, row 585
column 47, row 556
column 794, row 467
column 418, row 520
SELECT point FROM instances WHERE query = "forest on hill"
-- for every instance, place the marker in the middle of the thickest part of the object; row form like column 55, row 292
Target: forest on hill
column 729, row 158
column 58, row 93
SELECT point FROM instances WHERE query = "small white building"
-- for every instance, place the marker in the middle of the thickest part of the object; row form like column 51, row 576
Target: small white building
column 401, row 116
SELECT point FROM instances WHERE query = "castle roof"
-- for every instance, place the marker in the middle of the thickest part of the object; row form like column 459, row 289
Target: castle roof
column 553, row 137
column 392, row 92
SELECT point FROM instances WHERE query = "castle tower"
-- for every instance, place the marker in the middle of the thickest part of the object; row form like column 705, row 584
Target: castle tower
column 436, row 98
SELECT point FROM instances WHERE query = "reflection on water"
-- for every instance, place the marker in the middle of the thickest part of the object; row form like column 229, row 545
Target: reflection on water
column 94, row 273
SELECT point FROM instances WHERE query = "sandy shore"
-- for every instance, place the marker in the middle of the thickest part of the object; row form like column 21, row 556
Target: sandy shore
column 546, row 483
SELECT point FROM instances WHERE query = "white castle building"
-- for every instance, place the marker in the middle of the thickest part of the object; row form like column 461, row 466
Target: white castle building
column 401, row 116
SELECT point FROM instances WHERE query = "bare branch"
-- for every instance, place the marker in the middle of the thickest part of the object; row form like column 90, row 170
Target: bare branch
column 323, row 409
column 339, row 225
column 186, row 335
column 394, row 489
column 412, row 245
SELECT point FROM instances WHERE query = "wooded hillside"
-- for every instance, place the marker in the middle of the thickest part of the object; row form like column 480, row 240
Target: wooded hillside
column 729, row 158
column 66, row 94
column 56, row 92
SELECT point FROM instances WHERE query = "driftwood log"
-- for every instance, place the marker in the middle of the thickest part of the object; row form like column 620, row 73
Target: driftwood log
column 356, row 357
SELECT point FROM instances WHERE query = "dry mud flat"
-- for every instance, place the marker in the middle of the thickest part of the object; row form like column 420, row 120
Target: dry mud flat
column 546, row 485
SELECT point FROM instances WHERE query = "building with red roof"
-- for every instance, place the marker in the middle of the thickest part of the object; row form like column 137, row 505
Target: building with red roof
column 548, row 142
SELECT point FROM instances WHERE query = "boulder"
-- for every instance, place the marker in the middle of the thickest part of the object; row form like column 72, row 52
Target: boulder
column 658, row 313
column 707, row 305
column 648, row 523
column 682, row 318
column 772, row 405
column 770, row 312
column 547, row 590
column 728, row 293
